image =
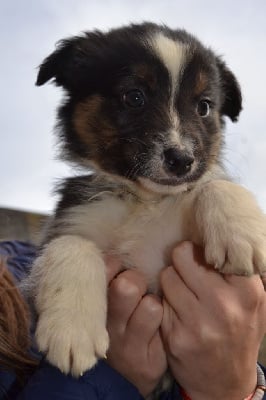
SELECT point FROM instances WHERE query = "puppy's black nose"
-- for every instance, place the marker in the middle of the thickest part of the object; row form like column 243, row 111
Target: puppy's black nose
column 177, row 162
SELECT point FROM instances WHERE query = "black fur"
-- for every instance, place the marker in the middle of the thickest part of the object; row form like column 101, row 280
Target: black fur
column 124, row 144
column 101, row 67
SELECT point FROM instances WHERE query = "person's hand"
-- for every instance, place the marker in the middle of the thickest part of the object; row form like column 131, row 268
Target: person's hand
column 136, row 350
column 212, row 327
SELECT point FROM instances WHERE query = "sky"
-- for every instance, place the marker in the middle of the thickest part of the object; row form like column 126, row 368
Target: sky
column 29, row 29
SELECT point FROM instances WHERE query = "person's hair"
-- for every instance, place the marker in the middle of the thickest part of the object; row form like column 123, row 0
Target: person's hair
column 14, row 328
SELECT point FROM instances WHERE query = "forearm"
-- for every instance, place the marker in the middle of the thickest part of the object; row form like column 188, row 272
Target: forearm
column 237, row 394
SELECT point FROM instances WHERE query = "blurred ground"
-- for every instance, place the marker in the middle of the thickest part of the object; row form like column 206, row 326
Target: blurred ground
column 22, row 225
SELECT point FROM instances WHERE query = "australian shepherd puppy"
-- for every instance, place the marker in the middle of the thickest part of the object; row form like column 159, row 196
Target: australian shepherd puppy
column 144, row 110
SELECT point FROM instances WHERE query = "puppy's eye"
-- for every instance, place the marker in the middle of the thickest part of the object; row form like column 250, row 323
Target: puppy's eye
column 134, row 98
column 203, row 108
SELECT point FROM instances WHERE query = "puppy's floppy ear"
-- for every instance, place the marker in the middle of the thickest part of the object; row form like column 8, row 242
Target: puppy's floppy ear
column 59, row 64
column 72, row 61
column 232, row 103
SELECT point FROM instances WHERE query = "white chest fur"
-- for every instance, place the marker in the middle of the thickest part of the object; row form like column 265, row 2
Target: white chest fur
column 142, row 234
column 68, row 280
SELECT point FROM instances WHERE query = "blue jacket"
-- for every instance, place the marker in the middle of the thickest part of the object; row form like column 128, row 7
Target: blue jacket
column 48, row 383
column 100, row 383
column 19, row 256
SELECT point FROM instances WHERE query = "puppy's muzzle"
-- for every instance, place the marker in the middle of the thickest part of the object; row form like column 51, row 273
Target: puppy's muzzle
column 177, row 162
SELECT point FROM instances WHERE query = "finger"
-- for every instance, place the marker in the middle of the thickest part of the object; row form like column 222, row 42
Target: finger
column 171, row 327
column 178, row 295
column 263, row 279
column 245, row 282
column 113, row 266
column 146, row 319
column 168, row 319
column 156, row 352
column 249, row 289
column 124, row 294
column 189, row 262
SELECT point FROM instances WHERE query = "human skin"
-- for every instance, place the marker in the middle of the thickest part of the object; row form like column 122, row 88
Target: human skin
column 134, row 318
column 212, row 327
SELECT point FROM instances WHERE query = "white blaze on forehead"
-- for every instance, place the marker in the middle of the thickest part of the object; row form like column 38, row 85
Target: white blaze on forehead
column 172, row 53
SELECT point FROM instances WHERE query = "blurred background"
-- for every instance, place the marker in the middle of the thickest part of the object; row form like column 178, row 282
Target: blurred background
column 29, row 30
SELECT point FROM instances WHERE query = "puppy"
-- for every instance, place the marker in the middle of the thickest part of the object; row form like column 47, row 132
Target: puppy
column 144, row 109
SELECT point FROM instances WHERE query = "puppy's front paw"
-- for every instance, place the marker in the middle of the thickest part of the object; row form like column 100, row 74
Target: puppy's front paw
column 72, row 344
column 236, row 252
column 233, row 229
column 70, row 300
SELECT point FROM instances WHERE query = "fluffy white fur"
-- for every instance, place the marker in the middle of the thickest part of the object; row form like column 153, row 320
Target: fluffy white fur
column 71, row 326
column 71, row 293
column 141, row 226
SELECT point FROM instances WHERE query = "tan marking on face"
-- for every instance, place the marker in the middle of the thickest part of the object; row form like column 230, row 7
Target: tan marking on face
column 201, row 83
column 144, row 72
column 217, row 141
column 90, row 124
column 83, row 118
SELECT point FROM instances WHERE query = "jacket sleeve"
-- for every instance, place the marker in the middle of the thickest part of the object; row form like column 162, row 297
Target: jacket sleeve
column 100, row 383
column 263, row 369
column 19, row 257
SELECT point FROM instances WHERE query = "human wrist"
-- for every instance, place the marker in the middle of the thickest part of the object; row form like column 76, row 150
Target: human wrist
column 185, row 396
column 224, row 394
column 256, row 394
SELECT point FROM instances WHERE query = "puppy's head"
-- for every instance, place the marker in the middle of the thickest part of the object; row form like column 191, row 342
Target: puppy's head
column 144, row 103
